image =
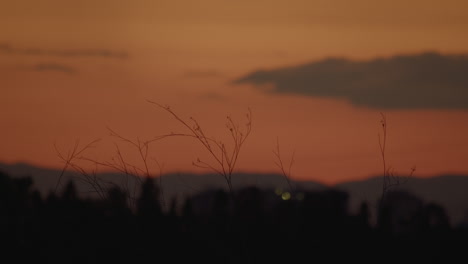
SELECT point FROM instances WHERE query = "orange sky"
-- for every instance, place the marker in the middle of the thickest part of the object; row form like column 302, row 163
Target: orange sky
column 58, row 84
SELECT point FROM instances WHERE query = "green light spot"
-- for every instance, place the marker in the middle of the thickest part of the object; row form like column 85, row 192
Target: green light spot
column 286, row 196
column 278, row 191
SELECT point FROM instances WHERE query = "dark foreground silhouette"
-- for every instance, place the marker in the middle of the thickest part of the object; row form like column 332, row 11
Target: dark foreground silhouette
column 248, row 226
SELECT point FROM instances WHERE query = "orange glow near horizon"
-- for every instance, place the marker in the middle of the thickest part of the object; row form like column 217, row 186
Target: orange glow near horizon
column 62, row 79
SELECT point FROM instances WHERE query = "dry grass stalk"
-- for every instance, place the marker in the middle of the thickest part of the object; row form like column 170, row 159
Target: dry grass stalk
column 224, row 159
column 117, row 163
column 390, row 177
column 286, row 172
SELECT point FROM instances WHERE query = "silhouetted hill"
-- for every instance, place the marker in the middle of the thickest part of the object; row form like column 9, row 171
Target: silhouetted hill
column 45, row 180
column 173, row 184
column 448, row 191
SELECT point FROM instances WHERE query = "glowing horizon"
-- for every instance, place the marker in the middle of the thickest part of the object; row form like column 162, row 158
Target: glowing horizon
column 68, row 71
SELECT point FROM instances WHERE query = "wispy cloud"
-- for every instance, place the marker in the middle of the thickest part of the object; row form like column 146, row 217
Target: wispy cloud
column 419, row 81
column 41, row 67
column 103, row 53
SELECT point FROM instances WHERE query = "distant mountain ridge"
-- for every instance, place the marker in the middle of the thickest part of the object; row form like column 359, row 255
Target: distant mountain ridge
column 449, row 191
column 184, row 183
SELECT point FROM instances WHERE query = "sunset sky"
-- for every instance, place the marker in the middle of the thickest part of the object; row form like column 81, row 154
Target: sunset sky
column 316, row 75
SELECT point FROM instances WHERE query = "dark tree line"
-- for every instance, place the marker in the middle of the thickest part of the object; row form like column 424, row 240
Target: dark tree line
column 253, row 226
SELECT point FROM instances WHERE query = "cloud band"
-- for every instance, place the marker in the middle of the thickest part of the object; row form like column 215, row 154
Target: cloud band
column 427, row 80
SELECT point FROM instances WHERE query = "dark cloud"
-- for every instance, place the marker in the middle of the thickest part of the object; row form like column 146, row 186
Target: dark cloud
column 420, row 81
column 53, row 67
column 103, row 53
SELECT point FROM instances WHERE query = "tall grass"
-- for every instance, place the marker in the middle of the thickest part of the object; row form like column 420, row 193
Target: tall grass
column 390, row 178
column 224, row 155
